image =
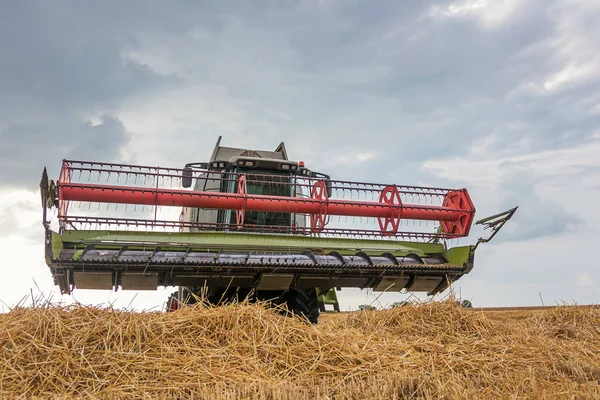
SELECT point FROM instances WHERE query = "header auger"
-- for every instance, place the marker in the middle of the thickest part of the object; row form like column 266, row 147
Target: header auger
column 251, row 223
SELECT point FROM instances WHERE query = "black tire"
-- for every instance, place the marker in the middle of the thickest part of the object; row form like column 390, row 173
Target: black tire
column 466, row 304
column 304, row 302
column 173, row 302
column 192, row 295
column 223, row 296
column 322, row 307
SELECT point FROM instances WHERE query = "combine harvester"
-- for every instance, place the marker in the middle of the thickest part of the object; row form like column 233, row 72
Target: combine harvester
column 251, row 223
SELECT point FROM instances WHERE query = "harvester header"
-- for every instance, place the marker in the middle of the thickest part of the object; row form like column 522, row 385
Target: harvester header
column 252, row 221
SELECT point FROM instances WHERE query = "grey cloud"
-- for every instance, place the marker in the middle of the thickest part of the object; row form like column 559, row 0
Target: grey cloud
column 361, row 68
column 383, row 70
column 386, row 71
column 416, row 86
column 61, row 66
column 28, row 147
column 537, row 218
column 66, row 59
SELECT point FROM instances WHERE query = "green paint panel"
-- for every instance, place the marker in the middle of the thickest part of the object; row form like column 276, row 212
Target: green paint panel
column 57, row 245
column 458, row 255
column 77, row 255
column 213, row 241
column 327, row 298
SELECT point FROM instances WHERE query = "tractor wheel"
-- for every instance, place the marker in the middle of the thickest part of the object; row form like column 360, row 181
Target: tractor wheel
column 303, row 302
column 173, row 302
column 228, row 295
column 466, row 304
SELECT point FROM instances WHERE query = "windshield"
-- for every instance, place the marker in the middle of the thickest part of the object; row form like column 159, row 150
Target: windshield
column 267, row 183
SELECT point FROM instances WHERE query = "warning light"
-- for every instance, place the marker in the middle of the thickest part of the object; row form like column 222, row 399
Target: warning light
column 301, row 164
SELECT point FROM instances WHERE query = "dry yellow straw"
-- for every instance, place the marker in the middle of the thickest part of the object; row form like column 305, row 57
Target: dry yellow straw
column 435, row 350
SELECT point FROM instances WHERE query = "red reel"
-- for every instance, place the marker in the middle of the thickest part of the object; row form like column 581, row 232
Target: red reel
column 389, row 225
column 317, row 221
column 460, row 201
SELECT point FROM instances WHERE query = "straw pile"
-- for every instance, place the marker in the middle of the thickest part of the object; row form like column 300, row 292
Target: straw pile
column 246, row 351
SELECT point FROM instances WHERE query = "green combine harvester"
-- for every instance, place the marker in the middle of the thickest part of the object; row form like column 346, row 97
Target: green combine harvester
column 251, row 224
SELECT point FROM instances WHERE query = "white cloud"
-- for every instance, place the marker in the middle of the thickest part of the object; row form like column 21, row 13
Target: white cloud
column 570, row 75
column 351, row 157
column 489, row 14
column 556, row 189
column 484, row 169
column 182, row 124
column 574, row 44
column 20, row 211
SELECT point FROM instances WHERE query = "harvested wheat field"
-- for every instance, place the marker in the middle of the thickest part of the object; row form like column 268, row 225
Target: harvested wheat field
column 435, row 350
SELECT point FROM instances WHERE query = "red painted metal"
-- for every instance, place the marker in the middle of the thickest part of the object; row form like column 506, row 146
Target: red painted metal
column 146, row 185
column 317, row 220
column 459, row 199
column 389, row 225
column 235, row 201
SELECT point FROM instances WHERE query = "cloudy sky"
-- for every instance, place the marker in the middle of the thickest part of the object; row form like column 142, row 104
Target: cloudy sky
column 499, row 96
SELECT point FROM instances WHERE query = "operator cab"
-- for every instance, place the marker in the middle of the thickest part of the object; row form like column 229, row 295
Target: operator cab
column 268, row 173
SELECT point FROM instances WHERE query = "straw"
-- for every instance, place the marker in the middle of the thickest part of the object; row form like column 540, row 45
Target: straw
column 433, row 350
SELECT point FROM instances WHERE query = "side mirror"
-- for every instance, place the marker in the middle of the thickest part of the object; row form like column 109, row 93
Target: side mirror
column 186, row 178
